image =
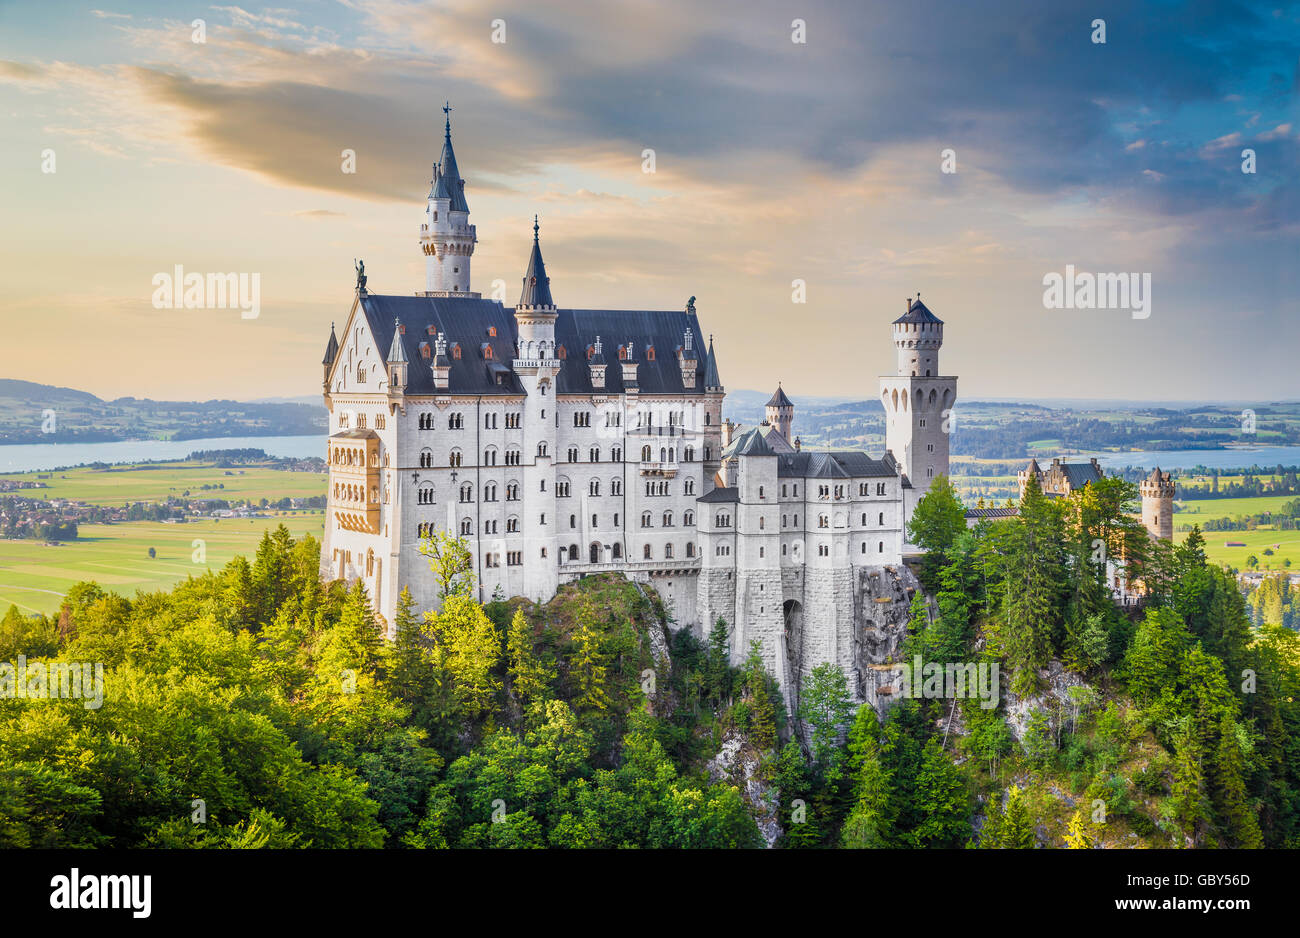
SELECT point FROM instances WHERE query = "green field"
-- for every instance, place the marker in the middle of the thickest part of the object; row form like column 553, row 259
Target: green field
column 1198, row 510
column 1255, row 542
column 121, row 485
column 34, row 576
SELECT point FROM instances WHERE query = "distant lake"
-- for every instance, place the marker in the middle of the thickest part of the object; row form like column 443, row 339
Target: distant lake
column 1234, row 458
column 45, row 456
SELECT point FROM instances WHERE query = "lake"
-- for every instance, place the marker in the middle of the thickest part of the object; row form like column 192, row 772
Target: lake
column 45, row 456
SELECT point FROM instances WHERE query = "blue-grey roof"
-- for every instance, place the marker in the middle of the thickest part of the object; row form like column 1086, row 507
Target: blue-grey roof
column 537, row 286
column 749, row 443
column 331, row 348
column 397, row 351
column 711, row 379
column 779, row 399
column 721, row 494
column 466, row 322
column 1080, row 474
column 833, row 465
column 980, row 514
column 448, row 184
column 918, row 312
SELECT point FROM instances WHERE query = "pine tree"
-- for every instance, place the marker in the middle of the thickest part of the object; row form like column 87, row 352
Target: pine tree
column 1230, row 801
column 1076, row 835
column 1017, row 828
column 530, row 678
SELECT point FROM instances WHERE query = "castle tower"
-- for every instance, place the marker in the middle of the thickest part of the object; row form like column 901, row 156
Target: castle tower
column 780, row 413
column 1158, row 504
column 537, row 368
column 446, row 236
column 918, row 400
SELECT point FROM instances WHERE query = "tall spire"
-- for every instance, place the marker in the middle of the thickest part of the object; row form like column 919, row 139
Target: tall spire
column 711, row 379
column 396, row 352
column 447, row 183
column 537, row 286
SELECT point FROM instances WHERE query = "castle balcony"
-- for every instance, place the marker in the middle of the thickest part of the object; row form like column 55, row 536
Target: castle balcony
column 665, row 470
column 687, row 565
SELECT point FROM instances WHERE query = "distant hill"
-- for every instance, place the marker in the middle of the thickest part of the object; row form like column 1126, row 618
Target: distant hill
column 81, row 417
column 29, row 392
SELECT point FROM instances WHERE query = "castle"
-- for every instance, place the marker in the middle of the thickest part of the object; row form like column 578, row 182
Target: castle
column 562, row 442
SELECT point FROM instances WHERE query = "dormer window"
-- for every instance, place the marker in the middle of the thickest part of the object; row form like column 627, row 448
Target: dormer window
column 487, row 352
column 425, row 351
column 591, row 350
column 455, row 351
column 563, row 353
column 492, row 331
column 433, row 330
column 401, row 329
column 622, row 353
column 650, row 353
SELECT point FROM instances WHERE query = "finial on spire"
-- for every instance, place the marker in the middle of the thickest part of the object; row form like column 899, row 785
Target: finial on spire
column 535, row 227
column 447, row 109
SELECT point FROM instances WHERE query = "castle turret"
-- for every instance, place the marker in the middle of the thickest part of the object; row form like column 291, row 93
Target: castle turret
column 331, row 353
column 397, row 362
column 917, row 399
column 447, row 238
column 1158, row 504
column 780, row 413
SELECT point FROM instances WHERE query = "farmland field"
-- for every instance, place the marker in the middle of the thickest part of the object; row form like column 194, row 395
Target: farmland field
column 1256, row 542
column 1194, row 511
column 120, row 485
column 34, row 576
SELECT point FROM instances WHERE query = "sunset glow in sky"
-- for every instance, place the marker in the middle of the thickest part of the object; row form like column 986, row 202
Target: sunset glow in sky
column 775, row 161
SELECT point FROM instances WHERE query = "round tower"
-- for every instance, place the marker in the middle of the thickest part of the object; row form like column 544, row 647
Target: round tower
column 1158, row 504
column 447, row 238
column 780, row 413
column 918, row 335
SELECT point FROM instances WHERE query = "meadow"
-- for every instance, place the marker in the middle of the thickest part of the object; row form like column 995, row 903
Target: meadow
column 1256, row 542
column 34, row 576
column 1196, row 511
column 120, row 485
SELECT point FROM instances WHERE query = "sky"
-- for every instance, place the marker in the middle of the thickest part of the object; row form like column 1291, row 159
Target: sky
column 775, row 161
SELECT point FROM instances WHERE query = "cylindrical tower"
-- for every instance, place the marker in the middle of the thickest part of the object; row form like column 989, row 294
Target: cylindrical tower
column 1158, row 504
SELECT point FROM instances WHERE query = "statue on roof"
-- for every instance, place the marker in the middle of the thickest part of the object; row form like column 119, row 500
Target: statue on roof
column 690, row 305
column 361, row 273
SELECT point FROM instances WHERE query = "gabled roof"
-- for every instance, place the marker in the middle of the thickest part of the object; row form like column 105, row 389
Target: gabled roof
column 1080, row 474
column 751, row 443
column 779, row 399
column 917, row 312
column 537, row 286
column 1033, row 466
column 464, row 321
column 835, row 465
column 980, row 514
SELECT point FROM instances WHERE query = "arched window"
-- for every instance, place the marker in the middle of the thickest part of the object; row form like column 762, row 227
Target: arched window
column 689, row 455
column 646, row 552
column 688, row 518
column 455, row 458
column 424, row 495
column 668, row 552
column 668, row 519
column 690, row 548
column 645, row 454
column 618, row 551
column 426, row 458
column 466, row 527
column 593, row 487
column 467, row 492
column 645, row 519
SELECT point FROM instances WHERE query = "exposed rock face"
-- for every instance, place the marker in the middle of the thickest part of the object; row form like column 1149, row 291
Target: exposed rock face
column 737, row 764
column 1054, row 698
column 883, row 595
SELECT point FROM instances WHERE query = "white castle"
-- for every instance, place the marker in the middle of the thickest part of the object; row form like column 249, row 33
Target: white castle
column 555, row 458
